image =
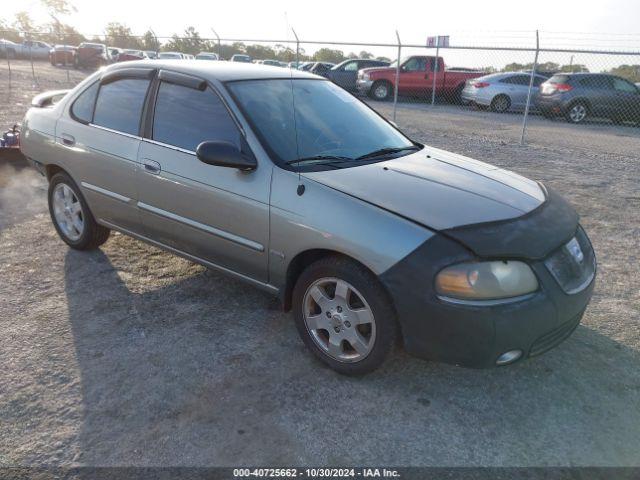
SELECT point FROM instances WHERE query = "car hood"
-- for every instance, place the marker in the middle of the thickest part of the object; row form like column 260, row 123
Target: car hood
column 438, row 189
column 377, row 69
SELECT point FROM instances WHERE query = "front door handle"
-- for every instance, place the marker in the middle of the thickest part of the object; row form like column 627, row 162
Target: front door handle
column 68, row 140
column 151, row 166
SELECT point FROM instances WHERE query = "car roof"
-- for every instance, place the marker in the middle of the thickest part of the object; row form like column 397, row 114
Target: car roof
column 222, row 71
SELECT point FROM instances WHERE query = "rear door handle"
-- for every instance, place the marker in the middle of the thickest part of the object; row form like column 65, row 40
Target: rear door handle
column 68, row 140
column 151, row 166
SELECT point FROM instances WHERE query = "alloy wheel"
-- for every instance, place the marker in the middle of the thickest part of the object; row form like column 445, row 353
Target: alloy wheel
column 577, row 113
column 381, row 91
column 339, row 319
column 67, row 211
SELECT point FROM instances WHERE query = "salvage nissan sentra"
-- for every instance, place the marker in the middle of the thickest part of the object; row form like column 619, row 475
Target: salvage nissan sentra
column 284, row 180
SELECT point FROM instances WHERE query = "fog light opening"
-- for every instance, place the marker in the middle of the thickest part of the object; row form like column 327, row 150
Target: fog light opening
column 509, row 357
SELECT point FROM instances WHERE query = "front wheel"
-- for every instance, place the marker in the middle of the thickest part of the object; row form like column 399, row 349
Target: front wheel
column 344, row 315
column 381, row 90
column 71, row 216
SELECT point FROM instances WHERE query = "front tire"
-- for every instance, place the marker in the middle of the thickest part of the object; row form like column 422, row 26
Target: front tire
column 381, row 90
column 71, row 216
column 344, row 315
column 577, row 112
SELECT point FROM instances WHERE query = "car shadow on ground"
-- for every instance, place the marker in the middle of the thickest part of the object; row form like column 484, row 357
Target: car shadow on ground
column 206, row 370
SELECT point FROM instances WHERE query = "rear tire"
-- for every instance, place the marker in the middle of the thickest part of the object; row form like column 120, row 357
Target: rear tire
column 381, row 90
column 71, row 216
column 344, row 315
column 500, row 103
column 577, row 112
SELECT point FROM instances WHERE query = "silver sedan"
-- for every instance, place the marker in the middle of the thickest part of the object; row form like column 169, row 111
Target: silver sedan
column 502, row 92
column 364, row 234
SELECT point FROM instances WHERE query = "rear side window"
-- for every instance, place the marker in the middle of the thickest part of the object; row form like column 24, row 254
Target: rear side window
column 559, row 79
column 517, row 80
column 185, row 117
column 82, row 108
column 624, row 86
column 119, row 105
column 596, row 82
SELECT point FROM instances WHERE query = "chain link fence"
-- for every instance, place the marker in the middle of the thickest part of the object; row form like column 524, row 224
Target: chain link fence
column 492, row 78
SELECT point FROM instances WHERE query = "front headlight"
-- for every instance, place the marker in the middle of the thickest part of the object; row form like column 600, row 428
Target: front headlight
column 486, row 280
column 365, row 76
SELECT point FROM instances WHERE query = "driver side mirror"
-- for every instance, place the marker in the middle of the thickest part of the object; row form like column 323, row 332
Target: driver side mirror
column 225, row 154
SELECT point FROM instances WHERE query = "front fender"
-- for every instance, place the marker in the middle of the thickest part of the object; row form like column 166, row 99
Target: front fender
column 325, row 219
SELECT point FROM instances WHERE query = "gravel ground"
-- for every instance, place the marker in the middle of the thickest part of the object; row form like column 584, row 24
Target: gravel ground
column 131, row 356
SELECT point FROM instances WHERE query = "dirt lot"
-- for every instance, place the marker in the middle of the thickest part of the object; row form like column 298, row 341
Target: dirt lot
column 130, row 356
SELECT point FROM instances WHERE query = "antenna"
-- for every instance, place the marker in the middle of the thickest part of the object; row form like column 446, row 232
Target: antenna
column 301, row 187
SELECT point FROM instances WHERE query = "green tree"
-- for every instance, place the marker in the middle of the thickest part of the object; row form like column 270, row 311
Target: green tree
column 285, row 53
column 383, row 59
column 56, row 9
column 328, row 55
column 630, row 72
column 189, row 42
column 23, row 23
column 149, row 41
column 260, row 52
column 573, row 68
column 119, row 35
column 366, row 55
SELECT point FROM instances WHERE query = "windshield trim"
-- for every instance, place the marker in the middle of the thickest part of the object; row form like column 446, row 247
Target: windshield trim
column 273, row 156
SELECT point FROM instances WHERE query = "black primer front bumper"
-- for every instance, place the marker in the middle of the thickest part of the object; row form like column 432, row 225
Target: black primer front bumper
column 472, row 335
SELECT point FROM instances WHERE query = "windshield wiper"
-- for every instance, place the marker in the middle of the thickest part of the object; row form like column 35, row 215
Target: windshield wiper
column 337, row 158
column 386, row 151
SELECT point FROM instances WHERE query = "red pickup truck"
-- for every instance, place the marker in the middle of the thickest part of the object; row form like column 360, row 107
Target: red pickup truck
column 416, row 78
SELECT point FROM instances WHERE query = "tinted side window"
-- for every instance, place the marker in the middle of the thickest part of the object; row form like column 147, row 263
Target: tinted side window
column 120, row 103
column 596, row 82
column 624, row 86
column 537, row 81
column 351, row 67
column 415, row 64
column 82, row 108
column 517, row 80
column 185, row 117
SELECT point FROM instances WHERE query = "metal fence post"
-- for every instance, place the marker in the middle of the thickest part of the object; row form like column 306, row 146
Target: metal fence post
column 219, row 45
column 33, row 71
column 6, row 51
column 66, row 63
column 533, row 73
column 395, row 87
column 435, row 71
column 157, row 43
column 297, row 49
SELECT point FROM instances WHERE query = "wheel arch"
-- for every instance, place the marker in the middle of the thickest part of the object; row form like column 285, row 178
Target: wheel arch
column 51, row 169
column 305, row 258
column 583, row 100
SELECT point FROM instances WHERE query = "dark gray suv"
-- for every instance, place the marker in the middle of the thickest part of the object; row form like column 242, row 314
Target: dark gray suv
column 578, row 96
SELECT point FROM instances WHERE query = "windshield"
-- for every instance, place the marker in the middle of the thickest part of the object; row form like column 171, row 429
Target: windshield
column 306, row 119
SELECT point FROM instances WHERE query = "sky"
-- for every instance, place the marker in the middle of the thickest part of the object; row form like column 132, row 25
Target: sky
column 611, row 24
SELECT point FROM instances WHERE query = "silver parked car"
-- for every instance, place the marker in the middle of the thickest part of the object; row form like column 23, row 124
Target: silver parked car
column 284, row 180
column 502, row 92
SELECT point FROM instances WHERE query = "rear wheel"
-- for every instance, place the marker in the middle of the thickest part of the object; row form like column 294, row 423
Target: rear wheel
column 577, row 112
column 500, row 103
column 381, row 90
column 71, row 216
column 343, row 315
